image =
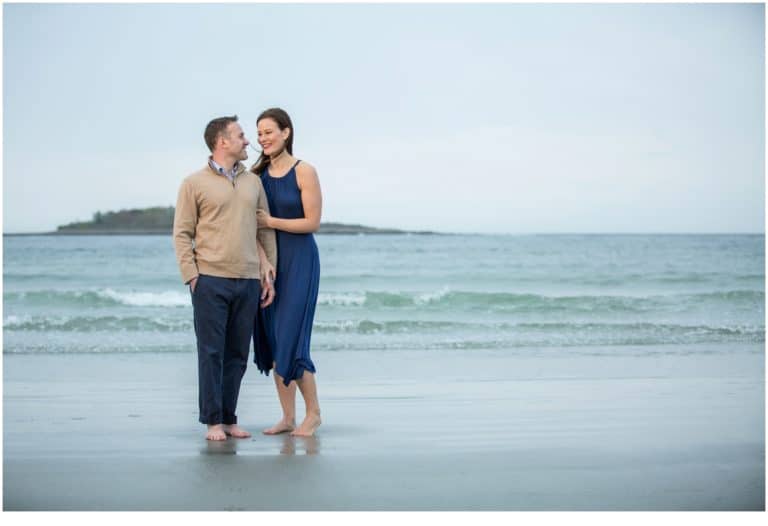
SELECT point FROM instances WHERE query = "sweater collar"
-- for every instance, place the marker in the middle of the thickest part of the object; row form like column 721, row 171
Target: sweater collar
column 236, row 170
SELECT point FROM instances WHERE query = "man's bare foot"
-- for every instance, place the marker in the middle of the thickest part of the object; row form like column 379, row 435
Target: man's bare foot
column 282, row 426
column 237, row 432
column 216, row 432
column 308, row 426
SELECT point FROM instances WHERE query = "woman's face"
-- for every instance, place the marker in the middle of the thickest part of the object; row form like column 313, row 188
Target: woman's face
column 271, row 137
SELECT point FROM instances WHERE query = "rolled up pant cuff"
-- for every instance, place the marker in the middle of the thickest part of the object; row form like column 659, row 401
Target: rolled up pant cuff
column 217, row 418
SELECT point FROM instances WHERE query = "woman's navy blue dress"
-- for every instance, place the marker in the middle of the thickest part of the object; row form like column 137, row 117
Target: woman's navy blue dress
column 284, row 329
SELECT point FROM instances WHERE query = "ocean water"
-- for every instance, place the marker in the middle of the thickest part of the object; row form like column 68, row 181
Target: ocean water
column 123, row 294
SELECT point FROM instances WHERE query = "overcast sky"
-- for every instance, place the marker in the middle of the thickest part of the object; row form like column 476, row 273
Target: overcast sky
column 489, row 118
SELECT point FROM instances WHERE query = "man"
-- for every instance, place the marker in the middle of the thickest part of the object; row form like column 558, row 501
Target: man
column 215, row 236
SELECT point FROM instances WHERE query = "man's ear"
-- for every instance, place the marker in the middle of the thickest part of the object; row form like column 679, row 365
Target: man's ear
column 221, row 139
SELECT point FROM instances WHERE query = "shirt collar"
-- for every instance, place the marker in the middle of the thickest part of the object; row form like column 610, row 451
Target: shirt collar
column 220, row 170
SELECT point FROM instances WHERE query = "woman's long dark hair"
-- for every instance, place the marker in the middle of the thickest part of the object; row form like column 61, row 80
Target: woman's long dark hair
column 283, row 121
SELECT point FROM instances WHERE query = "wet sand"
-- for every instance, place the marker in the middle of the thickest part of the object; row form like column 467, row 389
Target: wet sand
column 675, row 428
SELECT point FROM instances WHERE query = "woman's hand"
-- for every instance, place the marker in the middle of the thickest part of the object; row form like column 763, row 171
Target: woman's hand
column 263, row 219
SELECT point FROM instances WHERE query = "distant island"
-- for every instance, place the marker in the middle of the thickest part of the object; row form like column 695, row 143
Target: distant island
column 159, row 221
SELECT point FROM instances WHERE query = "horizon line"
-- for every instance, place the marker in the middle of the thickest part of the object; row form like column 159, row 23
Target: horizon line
column 531, row 233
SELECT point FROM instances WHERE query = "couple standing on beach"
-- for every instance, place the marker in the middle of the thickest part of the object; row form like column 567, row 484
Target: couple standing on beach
column 244, row 245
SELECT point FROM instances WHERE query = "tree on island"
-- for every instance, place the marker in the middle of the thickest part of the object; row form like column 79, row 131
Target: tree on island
column 159, row 220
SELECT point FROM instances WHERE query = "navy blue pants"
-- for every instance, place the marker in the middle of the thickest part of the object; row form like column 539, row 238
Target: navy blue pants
column 224, row 312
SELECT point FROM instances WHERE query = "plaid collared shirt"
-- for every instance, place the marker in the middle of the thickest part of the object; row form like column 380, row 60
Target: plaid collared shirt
column 221, row 171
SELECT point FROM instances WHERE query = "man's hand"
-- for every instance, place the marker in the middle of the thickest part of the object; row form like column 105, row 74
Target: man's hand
column 266, row 270
column 192, row 284
column 267, row 293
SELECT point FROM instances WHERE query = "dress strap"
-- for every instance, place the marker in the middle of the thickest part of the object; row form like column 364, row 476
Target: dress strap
column 296, row 164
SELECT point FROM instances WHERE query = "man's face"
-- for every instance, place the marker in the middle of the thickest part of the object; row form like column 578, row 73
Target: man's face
column 234, row 143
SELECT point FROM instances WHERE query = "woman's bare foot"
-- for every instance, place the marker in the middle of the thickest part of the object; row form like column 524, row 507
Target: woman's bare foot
column 237, row 432
column 308, row 426
column 216, row 432
column 282, row 426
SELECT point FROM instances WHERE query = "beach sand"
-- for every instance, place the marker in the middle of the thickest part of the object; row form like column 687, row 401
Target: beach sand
column 626, row 428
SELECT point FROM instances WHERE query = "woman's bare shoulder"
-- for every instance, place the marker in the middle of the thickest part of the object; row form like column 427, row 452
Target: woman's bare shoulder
column 304, row 168
column 306, row 174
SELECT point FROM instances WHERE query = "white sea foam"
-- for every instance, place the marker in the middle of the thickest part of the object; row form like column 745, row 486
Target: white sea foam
column 14, row 321
column 168, row 298
column 349, row 299
column 341, row 298
column 338, row 325
column 429, row 297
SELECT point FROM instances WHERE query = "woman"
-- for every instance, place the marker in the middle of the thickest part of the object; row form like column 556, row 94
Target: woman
column 295, row 202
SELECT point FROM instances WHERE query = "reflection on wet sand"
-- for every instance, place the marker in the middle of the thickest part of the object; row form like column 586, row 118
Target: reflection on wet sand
column 309, row 445
column 288, row 445
column 220, row 447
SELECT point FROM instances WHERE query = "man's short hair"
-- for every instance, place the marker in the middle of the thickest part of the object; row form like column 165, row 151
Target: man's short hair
column 216, row 128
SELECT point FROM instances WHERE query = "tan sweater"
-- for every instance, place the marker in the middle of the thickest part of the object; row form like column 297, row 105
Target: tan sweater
column 214, row 229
